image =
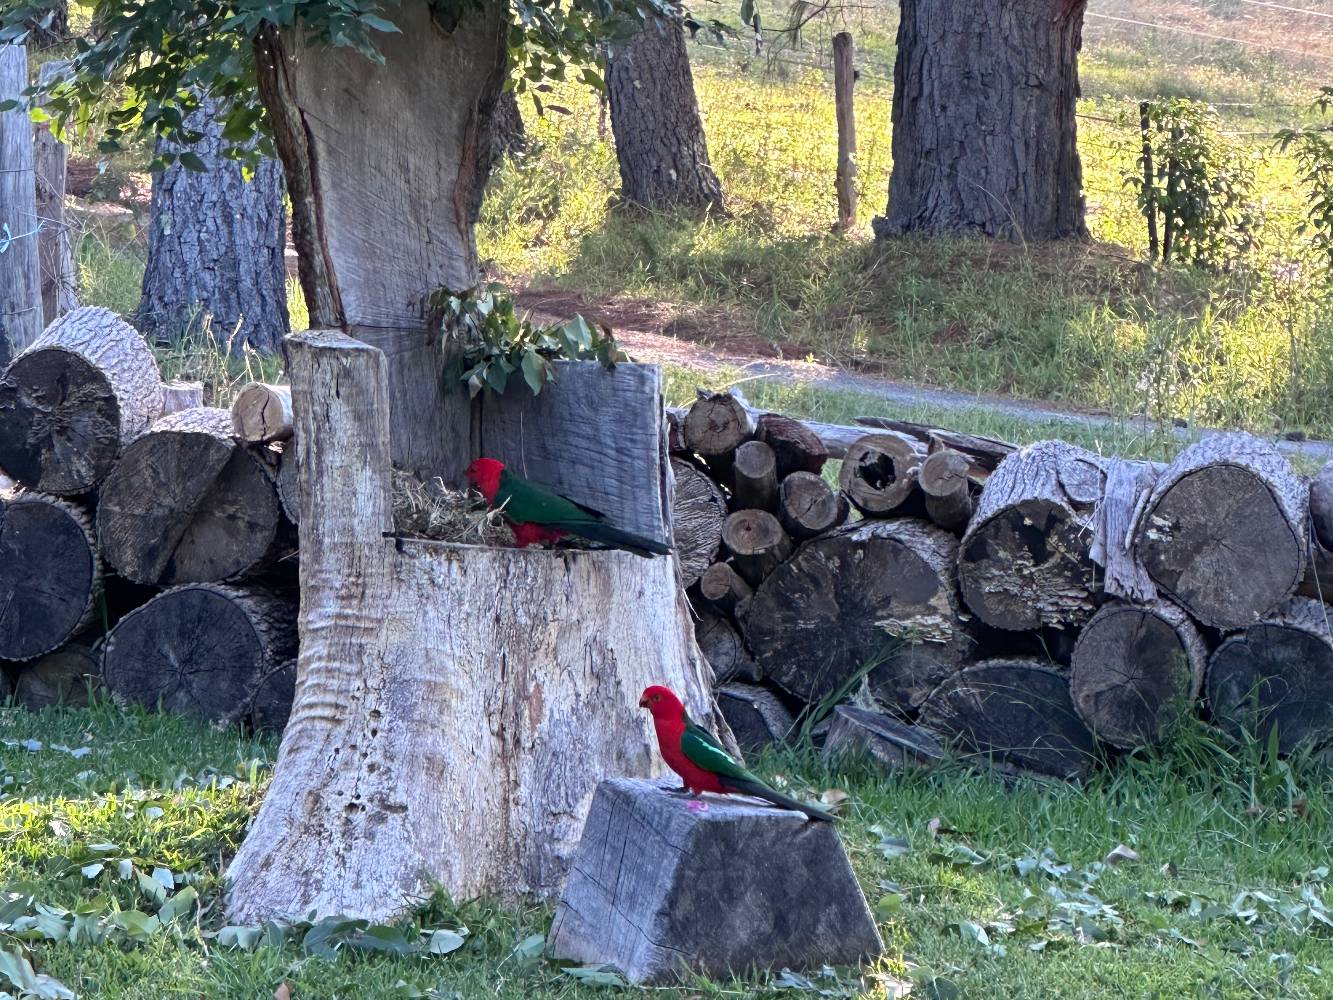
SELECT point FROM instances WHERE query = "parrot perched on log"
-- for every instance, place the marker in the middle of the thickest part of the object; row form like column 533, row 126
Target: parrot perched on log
column 703, row 765
column 539, row 515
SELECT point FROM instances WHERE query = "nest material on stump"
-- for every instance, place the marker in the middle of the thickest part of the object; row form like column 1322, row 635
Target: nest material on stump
column 432, row 510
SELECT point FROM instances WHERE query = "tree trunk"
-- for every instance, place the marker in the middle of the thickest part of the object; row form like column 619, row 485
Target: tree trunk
column 659, row 135
column 449, row 738
column 984, row 136
column 215, row 246
column 177, row 396
column 20, row 281
column 59, row 283
column 698, row 510
column 510, row 136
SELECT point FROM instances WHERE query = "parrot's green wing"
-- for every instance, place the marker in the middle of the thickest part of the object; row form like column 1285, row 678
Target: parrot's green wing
column 525, row 502
column 702, row 749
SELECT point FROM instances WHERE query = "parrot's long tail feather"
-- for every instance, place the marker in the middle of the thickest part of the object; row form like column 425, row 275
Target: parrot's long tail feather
column 609, row 535
column 762, row 791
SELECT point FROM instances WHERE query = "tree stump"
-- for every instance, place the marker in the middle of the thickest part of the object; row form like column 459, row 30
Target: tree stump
column 722, row 586
column 200, row 649
column 64, row 677
column 880, row 472
column 1017, row 712
column 755, row 717
column 808, row 506
column 757, row 543
column 877, row 595
column 659, row 891
column 187, row 504
column 754, row 475
column 49, row 574
column 440, row 711
column 1023, row 562
column 1223, row 532
column 947, row 488
column 698, row 509
column 69, row 403
column 881, row 739
column 261, row 413
column 795, row 447
column 721, row 646
column 1277, row 672
column 1137, row 672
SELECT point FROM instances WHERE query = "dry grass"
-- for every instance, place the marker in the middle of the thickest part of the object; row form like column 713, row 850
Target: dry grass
column 432, row 510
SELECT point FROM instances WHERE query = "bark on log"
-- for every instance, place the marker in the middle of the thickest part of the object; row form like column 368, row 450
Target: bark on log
column 881, row 739
column 984, row 453
column 756, row 717
column 879, row 473
column 1277, row 672
column 722, row 586
column 1015, row 711
column 400, row 635
column 757, row 544
column 20, row 275
column 675, row 418
column 49, row 154
column 698, row 509
column 187, row 504
column 795, row 446
column 200, row 649
column 754, row 475
column 1223, row 533
column 49, row 574
column 876, row 593
column 1024, row 562
column 1128, row 485
column 947, row 488
column 721, row 646
column 177, row 396
column 69, row 403
column 271, row 705
column 808, row 506
column 262, row 413
column 64, row 677
column 1137, row 673
column 716, row 425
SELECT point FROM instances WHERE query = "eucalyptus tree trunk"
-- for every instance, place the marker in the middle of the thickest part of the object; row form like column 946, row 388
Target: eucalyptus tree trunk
column 215, row 245
column 659, row 135
column 984, row 135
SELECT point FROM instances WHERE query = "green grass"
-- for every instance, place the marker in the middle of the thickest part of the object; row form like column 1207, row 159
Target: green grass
column 1208, row 824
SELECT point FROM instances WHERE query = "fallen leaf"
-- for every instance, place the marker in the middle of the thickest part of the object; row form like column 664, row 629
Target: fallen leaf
column 283, row 992
column 1122, row 853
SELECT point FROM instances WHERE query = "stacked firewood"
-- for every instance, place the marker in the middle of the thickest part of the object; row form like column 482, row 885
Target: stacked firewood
column 1041, row 607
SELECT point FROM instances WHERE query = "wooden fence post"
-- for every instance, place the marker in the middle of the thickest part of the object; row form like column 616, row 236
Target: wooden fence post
column 20, row 291
column 844, row 76
column 56, row 262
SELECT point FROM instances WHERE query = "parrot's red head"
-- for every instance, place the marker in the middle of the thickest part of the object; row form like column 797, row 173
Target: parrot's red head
column 662, row 702
column 484, row 474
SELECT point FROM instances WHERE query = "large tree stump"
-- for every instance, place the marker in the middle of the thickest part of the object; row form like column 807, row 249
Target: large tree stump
column 1017, row 712
column 755, row 716
column 1137, row 672
column 69, row 403
column 881, row 739
column 1277, row 672
column 187, row 504
column 808, row 506
column 877, row 595
column 698, row 509
column 443, row 691
column 49, row 574
column 757, row 543
column 200, row 649
column 879, row 472
column 64, row 677
column 660, row 891
column 1023, row 562
column 1223, row 532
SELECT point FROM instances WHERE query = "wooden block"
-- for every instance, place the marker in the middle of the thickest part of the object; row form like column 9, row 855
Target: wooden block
column 880, row 738
column 597, row 436
column 659, row 890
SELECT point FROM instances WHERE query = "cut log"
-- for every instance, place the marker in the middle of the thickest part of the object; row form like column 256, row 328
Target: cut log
column 1277, row 673
column 948, row 490
column 722, row 586
column 756, row 717
column 880, row 473
column 200, row 649
column 881, row 739
column 1223, row 533
column 660, row 891
column 754, row 478
column 187, row 504
column 718, row 424
column 49, row 574
column 69, row 403
column 795, row 447
column 721, row 646
column 808, row 506
column 1017, row 712
column 878, row 596
column 985, row 454
column 1023, row 562
column 289, row 482
column 1321, row 506
column 1137, row 673
column 698, row 509
column 1128, row 485
column 262, row 413
column 757, row 543
column 272, row 702
column 177, row 396
column 675, row 419
column 64, row 677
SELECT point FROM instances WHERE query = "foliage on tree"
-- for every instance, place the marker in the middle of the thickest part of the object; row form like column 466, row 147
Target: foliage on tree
column 1312, row 145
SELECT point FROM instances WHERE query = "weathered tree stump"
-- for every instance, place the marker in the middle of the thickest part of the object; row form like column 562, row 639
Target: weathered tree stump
column 1277, row 672
column 877, row 594
column 64, row 677
column 879, row 473
column 261, row 413
column 1224, row 531
column 795, row 447
column 757, row 543
column 200, row 649
column 756, row 717
column 187, row 504
column 881, row 739
column 947, row 488
column 754, row 475
column 721, row 646
column 271, row 705
column 722, row 586
column 1017, row 712
column 698, row 509
column 808, row 506
column 718, row 424
column 1137, row 672
column 1023, row 562
column 74, row 399
column 659, row 891
column 50, row 574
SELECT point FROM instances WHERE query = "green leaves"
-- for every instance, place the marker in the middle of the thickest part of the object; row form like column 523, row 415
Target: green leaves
column 18, row 972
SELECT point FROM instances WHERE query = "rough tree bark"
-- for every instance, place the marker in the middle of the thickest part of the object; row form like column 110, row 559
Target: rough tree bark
column 698, row 510
column 659, row 135
column 984, row 137
column 215, row 246
column 20, row 284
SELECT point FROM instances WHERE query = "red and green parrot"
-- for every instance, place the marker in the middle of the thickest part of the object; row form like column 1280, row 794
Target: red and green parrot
column 540, row 515
column 703, row 765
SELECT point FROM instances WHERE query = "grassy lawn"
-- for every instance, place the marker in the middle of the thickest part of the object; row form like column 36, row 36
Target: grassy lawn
column 1224, row 900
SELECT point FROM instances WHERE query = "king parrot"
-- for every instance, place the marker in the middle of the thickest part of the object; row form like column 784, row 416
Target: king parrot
column 695, row 754
column 538, row 514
